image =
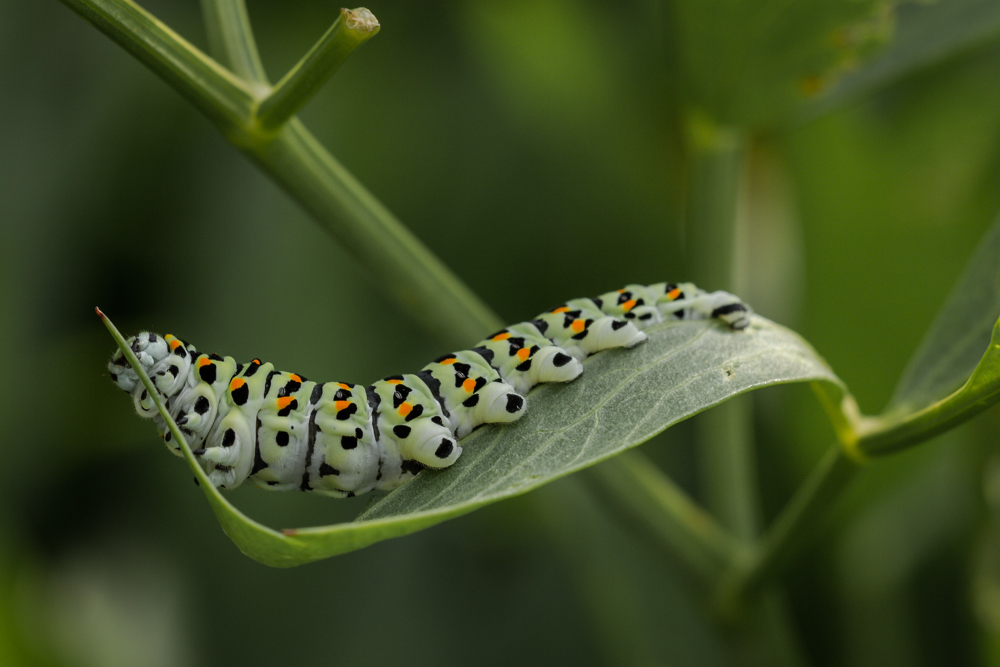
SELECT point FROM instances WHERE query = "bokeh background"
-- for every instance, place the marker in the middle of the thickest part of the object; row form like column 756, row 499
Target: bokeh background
column 537, row 148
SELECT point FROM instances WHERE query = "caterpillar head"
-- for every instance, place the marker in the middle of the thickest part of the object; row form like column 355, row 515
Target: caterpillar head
column 148, row 348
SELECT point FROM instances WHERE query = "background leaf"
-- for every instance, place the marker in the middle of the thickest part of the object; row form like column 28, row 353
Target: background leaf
column 925, row 33
column 960, row 334
column 749, row 62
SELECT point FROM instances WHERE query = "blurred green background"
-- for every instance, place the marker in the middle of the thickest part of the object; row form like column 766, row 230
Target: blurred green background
column 537, row 147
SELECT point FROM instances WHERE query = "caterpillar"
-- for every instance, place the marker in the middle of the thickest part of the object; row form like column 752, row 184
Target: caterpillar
column 281, row 431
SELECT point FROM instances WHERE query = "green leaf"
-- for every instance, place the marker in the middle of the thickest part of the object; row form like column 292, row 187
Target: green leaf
column 925, row 33
column 624, row 398
column 961, row 332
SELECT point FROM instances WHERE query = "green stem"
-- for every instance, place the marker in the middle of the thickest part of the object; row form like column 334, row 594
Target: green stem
column 728, row 466
column 870, row 436
column 715, row 175
column 609, row 592
column 725, row 434
column 725, row 447
column 407, row 269
column 231, row 40
column 796, row 522
column 638, row 490
column 352, row 29
column 403, row 266
column 225, row 99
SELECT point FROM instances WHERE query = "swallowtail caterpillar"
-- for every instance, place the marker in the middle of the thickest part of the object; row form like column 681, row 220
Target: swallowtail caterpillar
column 281, row 431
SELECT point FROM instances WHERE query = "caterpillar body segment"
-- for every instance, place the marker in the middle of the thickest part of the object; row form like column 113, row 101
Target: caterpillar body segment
column 281, row 431
column 661, row 301
column 471, row 392
column 347, row 458
column 524, row 357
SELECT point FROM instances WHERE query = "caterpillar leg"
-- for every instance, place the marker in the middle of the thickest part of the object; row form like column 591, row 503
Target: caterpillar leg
column 148, row 348
column 524, row 357
column 346, row 457
column 228, row 456
column 470, row 391
column 410, row 422
column 195, row 410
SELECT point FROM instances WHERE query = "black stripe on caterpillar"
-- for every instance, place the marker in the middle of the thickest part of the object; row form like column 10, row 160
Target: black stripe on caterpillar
column 283, row 432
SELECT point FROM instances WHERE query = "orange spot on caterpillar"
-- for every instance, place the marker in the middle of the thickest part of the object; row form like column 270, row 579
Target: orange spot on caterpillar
column 523, row 354
column 449, row 361
column 204, row 361
column 578, row 326
column 340, row 405
column 236, row 384
column 405, row 409
column 629, row 305
column 674, row 293
column 284, row 401
column 394, row 381
column 295, row 377
column 621, row 291
column 501, row 336
column 561, row 309
column 173, row 342
column 469, row 385
column 344, row 386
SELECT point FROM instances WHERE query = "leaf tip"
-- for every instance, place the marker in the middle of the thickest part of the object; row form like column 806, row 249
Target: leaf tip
column 99, row 313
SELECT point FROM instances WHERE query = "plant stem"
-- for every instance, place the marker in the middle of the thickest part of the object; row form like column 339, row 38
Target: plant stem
column 352, row 29
column 231, row 40
column 225, row 99
column 610, row 593
column 725, row 447
column 403, row 266
column 796, row 522
column 407, row 269
column 870, row 436
column 642, row 493
column 725, row 434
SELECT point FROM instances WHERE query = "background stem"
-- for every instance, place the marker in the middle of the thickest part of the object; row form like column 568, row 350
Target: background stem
column 645, row 496
column 429, row 291
column 225, row 99
column 797, row 521
column 724, row 434
column 231, row 40
column 353, row 28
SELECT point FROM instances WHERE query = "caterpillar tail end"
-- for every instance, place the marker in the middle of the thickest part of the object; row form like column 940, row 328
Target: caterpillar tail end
column 736, row 315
